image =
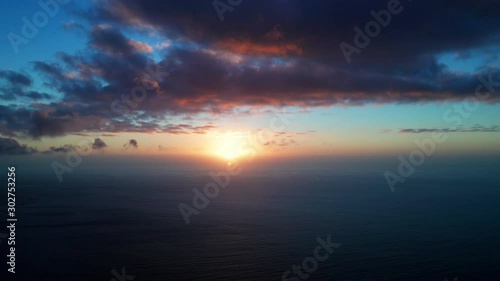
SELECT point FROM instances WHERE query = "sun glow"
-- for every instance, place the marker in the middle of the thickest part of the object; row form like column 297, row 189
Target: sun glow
column 231, row 147
column 230, row 155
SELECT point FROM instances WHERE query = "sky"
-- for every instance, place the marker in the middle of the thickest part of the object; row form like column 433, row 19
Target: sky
column 206, row 78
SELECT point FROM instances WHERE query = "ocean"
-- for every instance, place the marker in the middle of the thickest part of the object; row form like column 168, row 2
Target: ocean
column 121, row 221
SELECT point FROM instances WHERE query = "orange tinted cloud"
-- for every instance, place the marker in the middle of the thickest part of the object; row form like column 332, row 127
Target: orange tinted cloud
column 253, row 48
column 141, row 47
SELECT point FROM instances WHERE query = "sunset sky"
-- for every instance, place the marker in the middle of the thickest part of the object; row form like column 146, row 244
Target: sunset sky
column 268, row 73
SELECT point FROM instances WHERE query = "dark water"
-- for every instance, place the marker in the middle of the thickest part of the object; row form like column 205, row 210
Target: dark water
column 438, row 225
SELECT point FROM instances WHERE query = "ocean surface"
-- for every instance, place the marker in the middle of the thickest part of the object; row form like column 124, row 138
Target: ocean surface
column 441, row 223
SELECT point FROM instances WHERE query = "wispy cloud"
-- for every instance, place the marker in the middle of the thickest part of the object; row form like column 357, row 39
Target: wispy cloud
column 474, row 129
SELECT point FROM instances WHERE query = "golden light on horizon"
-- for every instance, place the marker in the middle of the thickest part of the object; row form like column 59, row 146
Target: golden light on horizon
column 230, row 146
column 228, row 153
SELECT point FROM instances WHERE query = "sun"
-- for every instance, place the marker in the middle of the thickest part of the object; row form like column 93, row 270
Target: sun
column 230, row 155
column 231, row 147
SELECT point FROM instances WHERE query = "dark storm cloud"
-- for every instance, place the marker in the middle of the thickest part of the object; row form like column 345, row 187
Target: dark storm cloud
column 111, row 40
column 10, row 146
column 109, row 68
column 15, row 78
column 14, row 120
column 11, row 94
column 17, row 86
column 51, row 69
column 45, row 123
column 400, row 65
column 265, row 53
column 317, row 27
column 98, row 144
column 61, row 119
